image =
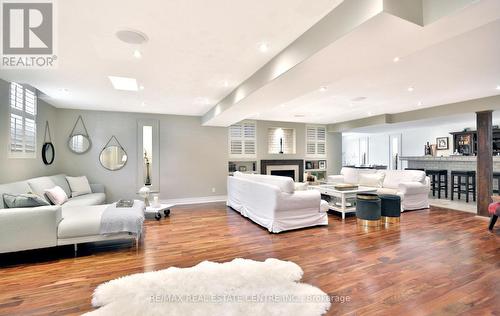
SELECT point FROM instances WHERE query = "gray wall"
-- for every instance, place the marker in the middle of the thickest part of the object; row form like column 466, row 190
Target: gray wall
column 334, row 149
column 14, row 169
column 193, row 158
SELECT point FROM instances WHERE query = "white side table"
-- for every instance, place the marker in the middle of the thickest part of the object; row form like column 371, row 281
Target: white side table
column 155, row 212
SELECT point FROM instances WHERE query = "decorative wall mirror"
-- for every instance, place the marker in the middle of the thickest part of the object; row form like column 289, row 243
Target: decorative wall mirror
column 78, row 142
column 48, row 151
column 113, row 157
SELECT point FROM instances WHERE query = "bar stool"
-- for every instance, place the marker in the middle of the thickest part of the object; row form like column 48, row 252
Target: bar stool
column 496, row 175
column 459, row 187
column 439, row 181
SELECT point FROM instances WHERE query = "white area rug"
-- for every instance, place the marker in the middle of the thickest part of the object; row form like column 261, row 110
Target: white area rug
column 239, row 287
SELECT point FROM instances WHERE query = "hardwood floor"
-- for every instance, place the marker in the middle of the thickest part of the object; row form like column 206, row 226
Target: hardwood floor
column 437, row 262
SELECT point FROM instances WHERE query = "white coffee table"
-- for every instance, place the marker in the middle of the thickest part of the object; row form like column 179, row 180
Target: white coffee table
column 339, row 201
column 156, row 211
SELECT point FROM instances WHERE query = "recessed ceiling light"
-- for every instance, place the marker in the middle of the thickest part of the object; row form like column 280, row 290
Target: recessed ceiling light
column 420, row 103
column 370, row 113
column 323, row 88
column 123, row 83
column 226, row 84
column 263, row 47
column 396, row 59
column 143, row 103
column 498, row 87
column 141, row 87
column 137, row 54
column 411, row 89
column 64, row 90
column 282, row 105
column 132, row 36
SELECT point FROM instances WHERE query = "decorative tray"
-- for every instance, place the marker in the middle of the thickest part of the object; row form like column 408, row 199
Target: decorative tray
column 345, row 187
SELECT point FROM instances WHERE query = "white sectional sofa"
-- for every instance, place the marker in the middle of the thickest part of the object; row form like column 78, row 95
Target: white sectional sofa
column 76, row 221
column 272, row 202
column 413, row 186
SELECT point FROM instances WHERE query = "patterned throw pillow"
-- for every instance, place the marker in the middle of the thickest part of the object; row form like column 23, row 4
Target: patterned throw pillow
column 23, row 200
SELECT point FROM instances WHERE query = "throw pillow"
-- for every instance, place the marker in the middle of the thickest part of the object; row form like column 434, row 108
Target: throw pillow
column 23, row 200
column 56, row 195
column 79, row 185
column 375, row 180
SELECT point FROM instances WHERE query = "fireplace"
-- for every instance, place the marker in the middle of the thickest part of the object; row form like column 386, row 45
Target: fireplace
column 293, row 168
column 284, row 173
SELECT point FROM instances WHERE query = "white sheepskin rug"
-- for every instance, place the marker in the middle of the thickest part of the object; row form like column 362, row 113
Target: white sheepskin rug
column 239, row 287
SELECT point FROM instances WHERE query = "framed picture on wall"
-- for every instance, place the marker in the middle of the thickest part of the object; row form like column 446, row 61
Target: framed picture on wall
column 442, row 143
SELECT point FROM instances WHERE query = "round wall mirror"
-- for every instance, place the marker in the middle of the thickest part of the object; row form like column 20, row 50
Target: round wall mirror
column 113, row 158
column 48, row 153
column 79, row 144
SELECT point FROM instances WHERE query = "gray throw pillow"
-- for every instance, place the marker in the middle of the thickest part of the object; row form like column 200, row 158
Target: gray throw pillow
column 23, row 200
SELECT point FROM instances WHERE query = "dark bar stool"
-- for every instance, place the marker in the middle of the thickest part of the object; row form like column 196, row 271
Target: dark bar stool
column 496, row 175
column 439, row 181
column 466, row 183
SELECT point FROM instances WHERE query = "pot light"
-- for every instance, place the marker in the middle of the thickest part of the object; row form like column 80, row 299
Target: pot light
column 137, row 54
column 226, row 84
column 498, row 87
column 323, row 88
column 143, row 104
column 396, row 59
column 263, row 47
column 141, row 87
column 420, row 103
column 411, row 89
column 123, row 83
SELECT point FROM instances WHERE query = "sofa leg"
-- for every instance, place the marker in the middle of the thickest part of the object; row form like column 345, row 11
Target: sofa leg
column 493, row 220
column 75, row 247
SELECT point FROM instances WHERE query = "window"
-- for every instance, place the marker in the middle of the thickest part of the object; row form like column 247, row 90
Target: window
column 243, row 140
column 23, row 107
column 316, row 141
column 281, row 140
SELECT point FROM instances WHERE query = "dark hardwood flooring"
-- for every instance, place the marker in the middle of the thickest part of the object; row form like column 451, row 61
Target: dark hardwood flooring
column 436, row 262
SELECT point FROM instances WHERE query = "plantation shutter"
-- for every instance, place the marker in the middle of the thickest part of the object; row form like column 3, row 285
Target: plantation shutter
column 23, row 108
column 316, row 141
column 243, row 140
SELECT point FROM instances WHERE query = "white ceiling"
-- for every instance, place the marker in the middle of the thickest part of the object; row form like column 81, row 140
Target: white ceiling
column 463, row 67
column 450, row 60
column 194, row 47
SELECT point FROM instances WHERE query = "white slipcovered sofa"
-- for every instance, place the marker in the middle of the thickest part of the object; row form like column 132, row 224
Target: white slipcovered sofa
column 413, row 186
column 76, row 221
column 272, row 202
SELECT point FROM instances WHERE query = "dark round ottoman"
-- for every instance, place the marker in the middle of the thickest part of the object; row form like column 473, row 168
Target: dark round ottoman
column 391, row 208
column 368, row 209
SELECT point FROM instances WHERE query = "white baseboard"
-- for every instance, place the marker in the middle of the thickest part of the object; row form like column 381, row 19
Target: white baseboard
column 196, row 200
